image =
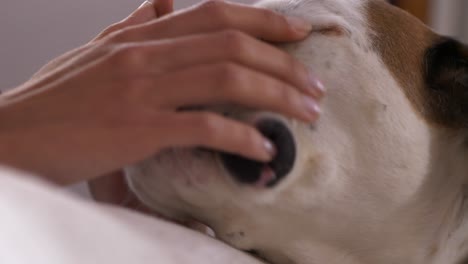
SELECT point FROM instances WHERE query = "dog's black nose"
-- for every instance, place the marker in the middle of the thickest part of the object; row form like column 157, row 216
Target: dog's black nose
column 252, row 172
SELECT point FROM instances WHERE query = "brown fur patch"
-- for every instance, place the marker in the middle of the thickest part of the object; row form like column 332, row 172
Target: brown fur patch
column 402, row 40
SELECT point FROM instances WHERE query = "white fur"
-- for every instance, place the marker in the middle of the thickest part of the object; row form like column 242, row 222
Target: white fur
column 364, row 188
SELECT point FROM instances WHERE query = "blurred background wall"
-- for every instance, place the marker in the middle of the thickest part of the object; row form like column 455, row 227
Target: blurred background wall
column 33, row 32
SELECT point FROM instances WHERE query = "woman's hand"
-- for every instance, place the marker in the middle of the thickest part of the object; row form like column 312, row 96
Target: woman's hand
column 114, row 101
column 112, row 187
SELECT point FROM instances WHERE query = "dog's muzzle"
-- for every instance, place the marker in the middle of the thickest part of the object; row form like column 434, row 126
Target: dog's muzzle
column 270, row 174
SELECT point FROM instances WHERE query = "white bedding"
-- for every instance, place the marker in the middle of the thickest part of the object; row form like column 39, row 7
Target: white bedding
column 40, row 223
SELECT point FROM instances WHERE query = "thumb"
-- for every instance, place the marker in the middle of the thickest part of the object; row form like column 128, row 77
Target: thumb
column 148, row 11
column 144, row 13
column 163, row 7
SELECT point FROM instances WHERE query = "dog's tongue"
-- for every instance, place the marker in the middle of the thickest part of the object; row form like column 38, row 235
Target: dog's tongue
column 267, row 175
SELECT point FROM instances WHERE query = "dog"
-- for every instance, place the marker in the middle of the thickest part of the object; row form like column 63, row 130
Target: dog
column 380, row 178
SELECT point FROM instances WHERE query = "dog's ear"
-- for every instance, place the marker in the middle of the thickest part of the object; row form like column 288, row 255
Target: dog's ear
column 446, row 69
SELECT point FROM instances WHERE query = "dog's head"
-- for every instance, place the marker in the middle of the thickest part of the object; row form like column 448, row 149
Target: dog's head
column 379, row 179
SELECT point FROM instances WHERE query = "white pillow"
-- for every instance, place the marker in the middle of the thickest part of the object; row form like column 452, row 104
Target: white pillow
column 41, row 224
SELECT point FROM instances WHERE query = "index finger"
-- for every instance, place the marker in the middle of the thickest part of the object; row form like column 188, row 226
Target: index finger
column 215, row 16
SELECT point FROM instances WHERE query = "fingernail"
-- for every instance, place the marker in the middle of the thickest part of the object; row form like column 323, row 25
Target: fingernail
column 312, row 108
column 299, row 24
column 269, row 147
column 316, row 86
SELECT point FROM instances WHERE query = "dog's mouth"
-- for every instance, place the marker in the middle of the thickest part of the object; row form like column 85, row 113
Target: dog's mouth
column 251, row 172
column 259, row 174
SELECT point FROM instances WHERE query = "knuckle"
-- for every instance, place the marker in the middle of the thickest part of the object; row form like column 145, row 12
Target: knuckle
column 210, row 126
column 278, row 91
column 103, row 49
column 227, row 72
column 232, row 78
column 295, row 68
column 115, row 37
column 113, row 28
column 129, row 58
column 212, row 5
column 270, row 16
column 287, row 93
column 108, row 31
column 246, row 137
column 290, row 62
column 119, row 34
column 217, row 10
column 234, row 43
column 249, row 134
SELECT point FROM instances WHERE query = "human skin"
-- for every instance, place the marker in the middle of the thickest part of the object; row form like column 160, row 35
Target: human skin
column 116, row 100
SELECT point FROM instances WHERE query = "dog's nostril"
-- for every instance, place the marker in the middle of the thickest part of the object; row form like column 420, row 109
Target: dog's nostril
column 261, row 174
